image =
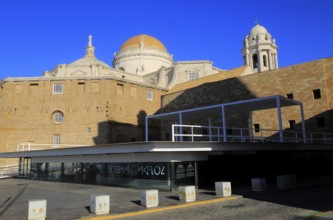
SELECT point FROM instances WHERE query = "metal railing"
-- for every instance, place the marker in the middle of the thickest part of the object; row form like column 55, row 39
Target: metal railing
column 27, row 146
column 8, row 171
column 215, row 134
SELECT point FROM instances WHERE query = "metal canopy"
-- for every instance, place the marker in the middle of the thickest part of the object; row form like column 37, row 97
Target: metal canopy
column 242, row 106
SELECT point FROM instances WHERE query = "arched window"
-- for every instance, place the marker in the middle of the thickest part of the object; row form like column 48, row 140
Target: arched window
column 265, row 61
column 255, row 61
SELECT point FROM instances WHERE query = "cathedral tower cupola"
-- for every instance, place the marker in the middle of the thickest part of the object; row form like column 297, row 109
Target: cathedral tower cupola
column 259, row 50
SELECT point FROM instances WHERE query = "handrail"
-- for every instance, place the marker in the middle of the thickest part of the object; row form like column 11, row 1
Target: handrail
column 213, row 133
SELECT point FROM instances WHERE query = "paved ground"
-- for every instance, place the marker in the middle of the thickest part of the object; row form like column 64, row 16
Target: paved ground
column 313, row 199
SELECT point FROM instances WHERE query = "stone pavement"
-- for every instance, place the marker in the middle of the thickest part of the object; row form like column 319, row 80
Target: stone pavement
column 71, row 201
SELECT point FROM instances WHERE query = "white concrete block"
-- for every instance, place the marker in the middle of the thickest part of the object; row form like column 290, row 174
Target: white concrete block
column 149, row 198
column 223, row 188
column 187, row 193
column 37, row 209
column 286, row 181
column 100, row 204
column 259, row 184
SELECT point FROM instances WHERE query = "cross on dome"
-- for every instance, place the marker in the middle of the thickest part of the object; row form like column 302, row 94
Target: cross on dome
column 90, row 40
column 90, row 50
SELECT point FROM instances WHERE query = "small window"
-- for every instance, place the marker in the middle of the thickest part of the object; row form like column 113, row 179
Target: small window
column 316, row 94
column 58, row 88
column 255, row 61
column 120, row 89
column 122, row 68
column 81, row 87
column 256, row 127
column 320, row 122
column 33, row 88
column 150, row 95
column 56, row 140
column 58, row 117
column 290, row 96
column 193, row 75
column 292, row 124
column 265, row 61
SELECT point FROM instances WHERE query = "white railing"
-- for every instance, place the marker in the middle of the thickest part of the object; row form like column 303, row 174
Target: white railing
column 213, row 133
column 27, row 146
column 8, row 171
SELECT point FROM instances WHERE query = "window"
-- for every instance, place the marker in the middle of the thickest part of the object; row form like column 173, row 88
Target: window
column 265, row 60
column 256, row 127
column 58, row 117
column 193, row 75
column 255, row 61
column 320, row 122
column 316, row 94
column 56, row 140
column 120, row 89
column 33, row 88
column 150, row 95
column 290, row 96
column 81, row 87
column 292, row 124
column 58, row 88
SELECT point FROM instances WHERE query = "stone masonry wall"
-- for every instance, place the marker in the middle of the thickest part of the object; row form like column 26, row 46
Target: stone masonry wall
column 95, row 112
column 299, row 80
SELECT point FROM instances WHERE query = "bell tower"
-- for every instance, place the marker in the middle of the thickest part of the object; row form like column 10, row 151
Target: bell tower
column 259, row 50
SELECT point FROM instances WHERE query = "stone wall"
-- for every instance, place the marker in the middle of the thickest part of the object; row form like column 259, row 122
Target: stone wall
column 95, row 111
column 299, row 80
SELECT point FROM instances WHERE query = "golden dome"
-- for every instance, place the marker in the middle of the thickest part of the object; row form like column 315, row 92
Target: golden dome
column 146, row 41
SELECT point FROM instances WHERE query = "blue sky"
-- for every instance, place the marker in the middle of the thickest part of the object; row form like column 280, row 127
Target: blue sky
column 37, row 35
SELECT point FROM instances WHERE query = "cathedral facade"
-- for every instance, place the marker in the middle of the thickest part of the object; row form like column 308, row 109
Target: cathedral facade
column 88, row 102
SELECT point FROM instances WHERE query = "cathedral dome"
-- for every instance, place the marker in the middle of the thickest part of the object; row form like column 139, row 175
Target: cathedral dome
column 144, row 41
column 258, row 29
column 142, row 54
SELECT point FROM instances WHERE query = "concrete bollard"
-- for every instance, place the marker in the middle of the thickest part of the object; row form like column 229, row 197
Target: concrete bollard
column 100, row 204
column 37, row 209
column 223, row 188
column 286, row 181
column 149, row 198
column 259, row 184
column 187, row 193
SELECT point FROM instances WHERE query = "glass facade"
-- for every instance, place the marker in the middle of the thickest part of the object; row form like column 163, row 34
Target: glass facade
column 157, row 175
